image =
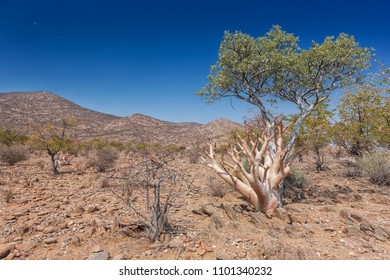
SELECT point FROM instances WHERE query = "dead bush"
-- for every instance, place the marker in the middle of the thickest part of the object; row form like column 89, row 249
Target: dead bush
column 216, row 188
column 104, row 183
column 153, row 178
column 295, row 186
column 376, row 167
column 102, row 159
column 7, row 194
column 13, row 154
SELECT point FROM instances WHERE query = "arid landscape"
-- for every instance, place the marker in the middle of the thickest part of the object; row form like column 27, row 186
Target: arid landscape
column 86, row 214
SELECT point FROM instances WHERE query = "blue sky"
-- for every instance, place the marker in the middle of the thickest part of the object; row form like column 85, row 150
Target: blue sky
column 150, row 57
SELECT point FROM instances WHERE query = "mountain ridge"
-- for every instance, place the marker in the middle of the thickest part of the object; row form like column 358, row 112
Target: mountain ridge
column 19, row 109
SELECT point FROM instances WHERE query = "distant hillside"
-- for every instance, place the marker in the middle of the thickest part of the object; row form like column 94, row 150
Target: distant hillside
column 19, row 109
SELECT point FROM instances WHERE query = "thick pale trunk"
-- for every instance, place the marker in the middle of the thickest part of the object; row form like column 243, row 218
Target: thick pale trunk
column 268, row 202
column 259, row 183
column 264, row 198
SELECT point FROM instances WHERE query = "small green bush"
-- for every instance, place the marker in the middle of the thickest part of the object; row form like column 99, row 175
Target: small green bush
column 376, row 167
column 13, row 154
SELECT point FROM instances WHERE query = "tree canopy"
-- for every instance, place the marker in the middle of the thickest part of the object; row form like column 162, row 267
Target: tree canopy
column 274, row 68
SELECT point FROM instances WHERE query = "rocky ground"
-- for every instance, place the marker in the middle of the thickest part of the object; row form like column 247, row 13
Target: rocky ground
column 81, row 214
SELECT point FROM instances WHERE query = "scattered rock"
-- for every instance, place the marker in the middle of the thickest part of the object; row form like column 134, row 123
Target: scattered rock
column 5, row 250
column 299, row 218
column 366, row 226
column 352, row 231
column 238, row 209
column 50, row 240
column 329, row 229
column 207, row 209
column 119, row 257
column 308, row 227
column 26, row 246
column 352, row 197
column 156, row 245
column 258, row 219
column 217, row 222
column 356, row 217
column 9, row 218
column 289, row 229
column 221, row 255
column 42, row 213
column 103, row 255
column 345, row 214
column 175, row 243
column 380, row 234
column 281, row 213
column 302, row 254
column 97, row 249
column 75, row 240
column 273, row 233
column 50, row 230
column 92, row 209
column 230, row 212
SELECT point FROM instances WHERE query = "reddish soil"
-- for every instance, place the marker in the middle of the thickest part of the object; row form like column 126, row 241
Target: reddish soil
column 77, row 216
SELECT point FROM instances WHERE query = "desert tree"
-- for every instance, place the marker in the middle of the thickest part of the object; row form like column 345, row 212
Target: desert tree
column 364, row 119
column 316, row 133
column 53, row 138
column 269, row 70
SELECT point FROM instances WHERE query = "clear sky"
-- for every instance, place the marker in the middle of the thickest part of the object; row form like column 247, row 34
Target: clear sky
column 150, row 57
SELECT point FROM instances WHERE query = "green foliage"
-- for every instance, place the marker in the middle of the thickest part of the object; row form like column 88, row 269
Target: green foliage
column 317, row 128
column 376, row 167
column 222, row 149
column 99, row 143
column 364, row 120
column 53, row 138
column 10, row 137
column 275, row 68
column 316, row 131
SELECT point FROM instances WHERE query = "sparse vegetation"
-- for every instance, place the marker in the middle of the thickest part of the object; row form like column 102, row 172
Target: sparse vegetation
column 104, row 183
column 13, row 154
column 12, row 137
column 7, row 194
column 216, row 187
column 102, row 159
column 365, row 120
column 268, row 70
column 53, row 139
column 153, row 177
column 376, row 167
column 295, row 186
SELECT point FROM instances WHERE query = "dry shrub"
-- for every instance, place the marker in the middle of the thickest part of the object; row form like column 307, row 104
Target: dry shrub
column 13, row 154
column 217, row 188
column 7, row 194
column 295, row 186
column 102, row 159
column 376, row 167
column 41, row 164
column 104, row 183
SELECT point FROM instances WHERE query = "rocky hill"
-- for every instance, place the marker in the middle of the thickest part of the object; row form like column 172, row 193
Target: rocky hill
column 20, row 109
